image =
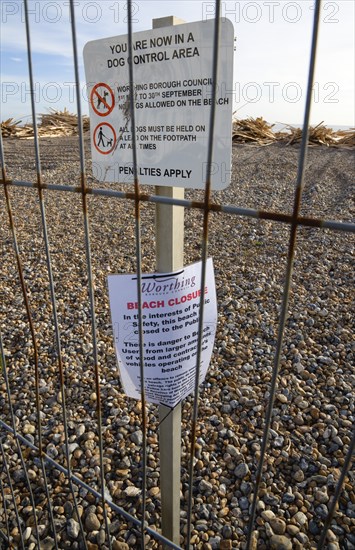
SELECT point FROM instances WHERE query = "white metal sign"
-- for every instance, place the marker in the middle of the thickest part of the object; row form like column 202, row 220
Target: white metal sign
column 172, row 96
column 170, row 324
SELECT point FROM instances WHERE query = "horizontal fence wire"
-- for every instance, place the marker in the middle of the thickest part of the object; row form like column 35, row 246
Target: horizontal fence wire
column 9, row 510
column 304, row 221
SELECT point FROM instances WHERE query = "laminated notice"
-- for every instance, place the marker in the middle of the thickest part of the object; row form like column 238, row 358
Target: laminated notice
column 170, row 315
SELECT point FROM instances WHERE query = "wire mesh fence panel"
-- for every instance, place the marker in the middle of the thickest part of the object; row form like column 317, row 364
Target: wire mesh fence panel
column 267, row 439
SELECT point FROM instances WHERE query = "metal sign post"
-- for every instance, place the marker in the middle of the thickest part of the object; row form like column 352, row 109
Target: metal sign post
column 170, row 257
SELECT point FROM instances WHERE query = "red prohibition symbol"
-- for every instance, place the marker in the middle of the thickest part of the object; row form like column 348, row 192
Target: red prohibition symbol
column 102, row 99
column 104, row 138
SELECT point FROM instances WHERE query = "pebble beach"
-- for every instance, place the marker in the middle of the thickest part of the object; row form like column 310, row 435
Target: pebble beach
column 313, row 416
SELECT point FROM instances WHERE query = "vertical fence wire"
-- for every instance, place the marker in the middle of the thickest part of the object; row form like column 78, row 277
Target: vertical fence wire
column 89, row 265
column 35, row 356
column 289, row 272
column 50, row 274
column 204, row 254
column 336, row 496
column 13, row 424
column 8, row 388
column 4, row 537
column 6, row 470
column 138, row 269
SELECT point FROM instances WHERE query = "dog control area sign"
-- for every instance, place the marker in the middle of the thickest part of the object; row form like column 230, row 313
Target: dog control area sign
column 172, row 92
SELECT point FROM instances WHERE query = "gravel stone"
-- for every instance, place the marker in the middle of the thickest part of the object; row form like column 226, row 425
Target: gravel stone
column 92, row 522
column 280, row 542
column 117, row 545
column 73, row 528
column 137, row 437
column 278, row 525
column 205, row 486
column 300, row 518
column 321, row 511
column 241, row 471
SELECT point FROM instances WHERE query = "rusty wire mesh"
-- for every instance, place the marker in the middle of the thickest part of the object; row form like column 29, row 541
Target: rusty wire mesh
column 39, row 467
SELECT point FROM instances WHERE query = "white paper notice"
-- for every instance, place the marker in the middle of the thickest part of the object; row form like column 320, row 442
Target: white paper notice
column 170, row 308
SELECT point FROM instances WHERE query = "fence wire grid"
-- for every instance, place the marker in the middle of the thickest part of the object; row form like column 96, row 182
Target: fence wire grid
column 43, row 488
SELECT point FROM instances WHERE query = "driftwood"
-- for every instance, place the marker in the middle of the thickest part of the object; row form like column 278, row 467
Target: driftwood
column 253, row 131
column 52, row 124
column 61, row 123
column 346, row 137
column 260, row 132
column 10, row 127
column 320, row 135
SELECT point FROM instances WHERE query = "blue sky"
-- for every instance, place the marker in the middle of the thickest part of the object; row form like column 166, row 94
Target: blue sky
column 270, row 64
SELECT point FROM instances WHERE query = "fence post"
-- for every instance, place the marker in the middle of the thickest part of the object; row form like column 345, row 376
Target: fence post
column 170, row 257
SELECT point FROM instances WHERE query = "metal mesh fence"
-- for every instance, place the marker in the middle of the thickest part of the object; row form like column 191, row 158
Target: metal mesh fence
column 44, row 485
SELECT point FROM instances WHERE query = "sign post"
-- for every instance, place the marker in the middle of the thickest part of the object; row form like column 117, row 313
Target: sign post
column 170, row 257
column 172, row 94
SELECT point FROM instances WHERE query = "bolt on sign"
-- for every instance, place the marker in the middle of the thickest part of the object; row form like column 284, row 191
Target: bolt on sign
column 172, row 68
column 170, row 316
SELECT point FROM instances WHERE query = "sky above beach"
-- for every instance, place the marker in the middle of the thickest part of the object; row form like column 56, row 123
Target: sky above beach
column 271, row 57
